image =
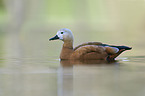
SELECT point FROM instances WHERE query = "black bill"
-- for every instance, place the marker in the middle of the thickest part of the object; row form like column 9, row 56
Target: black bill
column 54, row 38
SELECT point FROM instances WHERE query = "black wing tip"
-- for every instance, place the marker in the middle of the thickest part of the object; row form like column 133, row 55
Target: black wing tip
column 129, row 48
column 119, row 47
column 125, row 47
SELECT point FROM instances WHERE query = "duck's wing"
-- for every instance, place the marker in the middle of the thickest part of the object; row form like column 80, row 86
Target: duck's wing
column 91, row 46
column 87, row 43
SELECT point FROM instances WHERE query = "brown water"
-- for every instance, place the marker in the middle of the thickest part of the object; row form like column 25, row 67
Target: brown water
column 31, row 67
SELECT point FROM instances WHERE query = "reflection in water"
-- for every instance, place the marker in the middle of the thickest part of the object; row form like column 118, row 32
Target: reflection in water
column 68, row 63
column 97, row 78
column 44, row 76
column 65, row 81
column 66, row 76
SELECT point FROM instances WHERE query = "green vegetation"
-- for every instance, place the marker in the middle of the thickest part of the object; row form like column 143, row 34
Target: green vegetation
column 1, row 4
column 2, row 28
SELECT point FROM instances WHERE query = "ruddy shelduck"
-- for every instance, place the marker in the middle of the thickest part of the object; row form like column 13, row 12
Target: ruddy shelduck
column 86, row 51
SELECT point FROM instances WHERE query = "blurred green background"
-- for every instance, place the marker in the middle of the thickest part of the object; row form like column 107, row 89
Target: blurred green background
column 25, row 25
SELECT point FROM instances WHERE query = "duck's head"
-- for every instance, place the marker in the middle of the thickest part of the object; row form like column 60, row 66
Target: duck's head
column 63, row 34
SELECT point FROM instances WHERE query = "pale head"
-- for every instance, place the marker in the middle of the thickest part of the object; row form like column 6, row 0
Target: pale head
column 63, row 34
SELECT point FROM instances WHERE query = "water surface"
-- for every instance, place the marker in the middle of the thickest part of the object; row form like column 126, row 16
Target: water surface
column 31, row 67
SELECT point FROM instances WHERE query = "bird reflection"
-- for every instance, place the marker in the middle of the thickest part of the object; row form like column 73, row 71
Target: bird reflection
column 69, row 63
column 67, row 79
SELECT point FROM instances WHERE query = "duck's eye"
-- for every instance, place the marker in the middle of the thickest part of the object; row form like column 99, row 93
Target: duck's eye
column 61, row 32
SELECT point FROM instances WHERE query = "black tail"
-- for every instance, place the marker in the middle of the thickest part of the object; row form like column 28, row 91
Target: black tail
column 123, row 47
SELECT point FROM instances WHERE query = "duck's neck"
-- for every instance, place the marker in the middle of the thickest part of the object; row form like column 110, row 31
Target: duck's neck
column 67, row 50
column 68, row 44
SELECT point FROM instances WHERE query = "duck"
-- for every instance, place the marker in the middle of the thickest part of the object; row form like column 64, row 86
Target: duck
column 88, row 50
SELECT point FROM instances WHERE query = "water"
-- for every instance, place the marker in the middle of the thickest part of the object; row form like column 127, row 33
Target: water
column 50, row 77
column 31, row 67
